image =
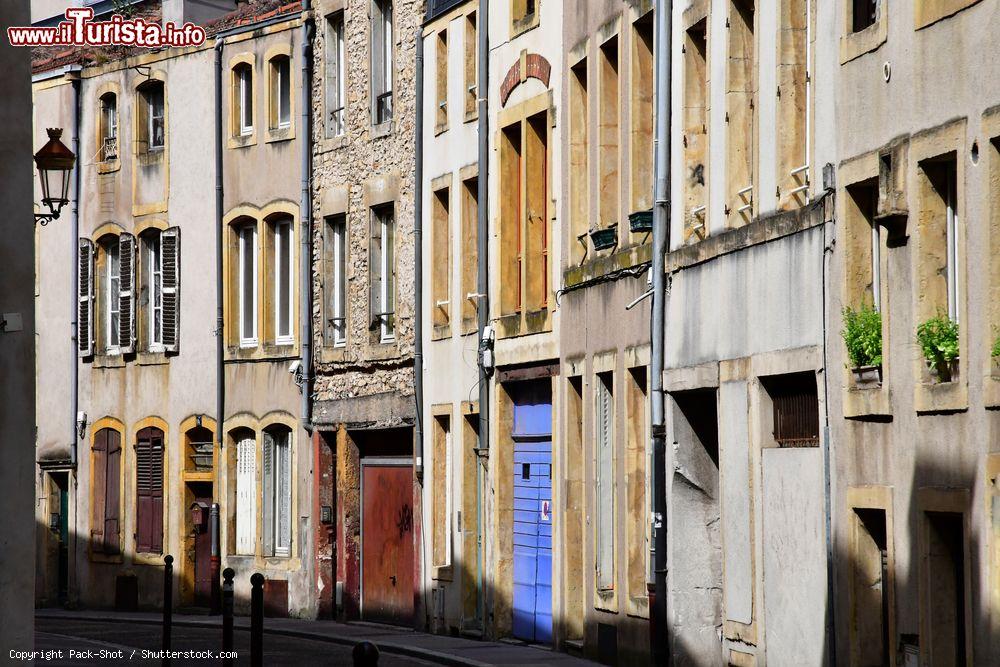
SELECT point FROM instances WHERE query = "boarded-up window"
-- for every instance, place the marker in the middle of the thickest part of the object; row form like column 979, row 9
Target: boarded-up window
column 863, row 245
column 277, row 491
column 441, row 80
column 946, row 602
column 741, row 88
column 870, row 583
column 441, row 492
column 642, row 114
column 106, row 457
column 695, row 122
column 795, row 408
column 470, row 253
column 636, row 483
column 793, row 104
column 441, row 258
column 608, row 135
column 85, row 299
column 471, row 64
column 246, row 492
column 604, row 429
column 149, row 491
column 579, row 158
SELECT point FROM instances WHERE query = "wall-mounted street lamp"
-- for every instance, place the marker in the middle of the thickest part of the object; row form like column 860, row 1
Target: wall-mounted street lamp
column 55, row 164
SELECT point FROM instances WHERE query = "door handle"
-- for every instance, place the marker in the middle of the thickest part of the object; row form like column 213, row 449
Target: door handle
column 393, row 579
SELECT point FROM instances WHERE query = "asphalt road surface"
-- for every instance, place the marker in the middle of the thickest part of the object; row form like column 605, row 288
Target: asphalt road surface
column 97, row 643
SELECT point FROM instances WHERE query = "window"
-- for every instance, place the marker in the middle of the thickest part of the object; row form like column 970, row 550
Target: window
column 471, row 67
column 382, row 272
column 154, row 295
column 336, row 98
column 160, row 290
column 795, row 409
column 608, row 132
column 470, row 253
column 246, row 492
column 151, row 126
column 579, row 157
column 441, row 260
column 524, row 15
column 106, row 460
column 247, row 288
column 793, row 101
column 864, row 13
column 740, row 109
column 117, row 303
column 951, row 235
column 335, row 280
column 112, row 282
column 636, row 460
column 946, row 590
column 642, row 114
column 149, row 491
column 865, row 249
column 871, row 580
column 441, row 65
column 281, row 92
column 695, row 127
column 381, row 61
column 940, row 202
column 605, row 527
column 109, row 127
column 243, row 89
column 441, row 492
column 284, row 277
column 277, row 491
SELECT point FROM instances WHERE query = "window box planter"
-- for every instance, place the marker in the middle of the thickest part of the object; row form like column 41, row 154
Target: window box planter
column 866, row 377
column 641, row 221
column 604, row 238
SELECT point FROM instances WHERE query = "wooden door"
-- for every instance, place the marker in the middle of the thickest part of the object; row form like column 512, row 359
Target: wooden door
column 203, row 561
column 387, row 543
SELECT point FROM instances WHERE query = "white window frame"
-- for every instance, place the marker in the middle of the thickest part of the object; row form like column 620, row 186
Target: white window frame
column 382, row 11
column 283, row 90
column 604, row 399
column 951, row 232
column 154, row 265
column 244, row 75
column 284, row 282
column 280, row 485
column 109, row 126
column 247, row 338
column 336, row 102
column 154, row 92
column 339, row 287
column 246, row 495
column 112, row 292
column 387, row 331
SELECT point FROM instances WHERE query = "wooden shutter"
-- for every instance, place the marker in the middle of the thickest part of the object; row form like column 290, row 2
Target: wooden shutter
column 375, row 270
column 246, row 512
column 112, row 504
column 268, row 493
column 283, row 461
column 85, row 299
column 605, row 485
column 156, row 534
column 170, row 255
column 126, row 293
column 98, row 491
column 388, row 249
column 149, row 491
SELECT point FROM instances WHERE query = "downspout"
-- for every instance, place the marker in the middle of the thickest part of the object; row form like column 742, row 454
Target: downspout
column 75, row 303
column 418, row 266
column 305, row 216
column 483, row 275
column 659, row 624
column 220, row 371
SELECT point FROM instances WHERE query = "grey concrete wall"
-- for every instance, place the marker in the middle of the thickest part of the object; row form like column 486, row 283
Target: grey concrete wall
column 17, row 347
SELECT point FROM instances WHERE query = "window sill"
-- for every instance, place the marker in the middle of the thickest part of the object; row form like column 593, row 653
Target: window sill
column 381, row 130
column 440, row 129
column 150, row 157
column 518, row 324
column 441, row 331
column 153, row 559
column 109, row 361
column 856, row 44
column 109, row 166
column 524, row 24
column 469, row 326
column 382, row 351
column 941, row 397
column 991, row 392
column 865, row 403
column 152, row 358
column 442, row 573
column 266, row 352
column 332, row 143
column 471, row 116
column 242, row 141
column 276, row 134
column 329, row 354
column 929, row 12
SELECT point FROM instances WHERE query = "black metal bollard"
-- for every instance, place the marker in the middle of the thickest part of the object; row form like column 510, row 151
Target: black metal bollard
column 365, row 654
column 257, row 620
column 168, row 603
column 227, row 614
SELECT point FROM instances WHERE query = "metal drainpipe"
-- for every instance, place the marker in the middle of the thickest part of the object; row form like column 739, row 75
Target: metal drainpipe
column 305, row 216
column 418, row 266
column 75, row 305
column 482, row 252
column 220, row 371
column 659, row 622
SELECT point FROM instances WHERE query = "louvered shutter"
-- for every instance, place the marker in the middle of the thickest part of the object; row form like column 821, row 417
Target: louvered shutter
column 98, row 494
column 126, row 293
column 156, row 492
column 246, row 473
column 268, row 493
column 375, row 271
column 170, row 249
column 143, row 492
column 112, row 507
column 85, row 299
column 283, row 456
column 605, row 486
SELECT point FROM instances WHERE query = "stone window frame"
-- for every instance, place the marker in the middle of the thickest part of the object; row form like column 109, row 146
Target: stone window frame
column 469, row 256
column 853, row 45
column 441, row 80
column 95, row 555
column 929, row 12
column 235, row 137
column 637, row 466
column 443, row 300
column 928, row 146
column 105, row 166
column 696, row 205
column 642, row 72
column 863, row 402
column 606, row 364
column 522, row 17
column 742, row 200
column 335, row 203
column 442, row 493
column 275, row 131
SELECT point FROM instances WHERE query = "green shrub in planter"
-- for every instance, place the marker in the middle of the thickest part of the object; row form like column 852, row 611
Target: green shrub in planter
column 996, row 348
column 938, row 338
column 863, row 336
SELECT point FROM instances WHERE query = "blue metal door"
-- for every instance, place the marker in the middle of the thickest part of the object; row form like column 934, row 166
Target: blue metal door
column 532, row 437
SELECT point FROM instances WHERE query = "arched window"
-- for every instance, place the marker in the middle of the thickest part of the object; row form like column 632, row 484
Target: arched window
column 105, row 500
column 277, row 491
column 283, row 275
column 149, row 491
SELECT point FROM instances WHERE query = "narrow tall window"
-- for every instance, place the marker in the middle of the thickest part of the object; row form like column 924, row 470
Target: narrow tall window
column 945, row 588
column 695, row 125
column 740, row 112
column 471, row 66
column 248, row 285
column 109, row 127
column 579, row 173
column 383, row 273
column 865, row 249
column 793, row 102
column 283, row 281
column 441, row 79
column 281, row 92
column 951, row 232
column 246, row 492
column 604, row 429
column 149, row 491
column 106, row 460
column 154, row 289
column 244, row 99
column 381, row 61
column 870, row 582
column 608, row 133
column 335, row 74
column 335, row 280
column 940, row 266
column 112, row 283
column 441, row 258
column 155, row 130
column 642, row 114
column 470, row 253
column 277, row 492
column 441, row 494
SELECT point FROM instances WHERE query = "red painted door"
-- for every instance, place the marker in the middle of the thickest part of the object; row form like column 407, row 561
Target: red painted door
column 387, row 543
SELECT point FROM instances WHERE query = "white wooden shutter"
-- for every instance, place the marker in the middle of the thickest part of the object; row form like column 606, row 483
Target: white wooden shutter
column 170, row 256
column 85, row 299
column 126, row 293
column 269, row 487
column 246, row 497
column 283, row 461
column 605, row 487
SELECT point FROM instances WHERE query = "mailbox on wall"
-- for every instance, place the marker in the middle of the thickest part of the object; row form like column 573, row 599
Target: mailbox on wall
column 199, row 516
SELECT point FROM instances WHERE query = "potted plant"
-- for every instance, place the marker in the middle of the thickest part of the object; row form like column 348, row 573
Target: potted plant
column 938, row 338
column 862, row 335
column 641, row 221
column 605, row 238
